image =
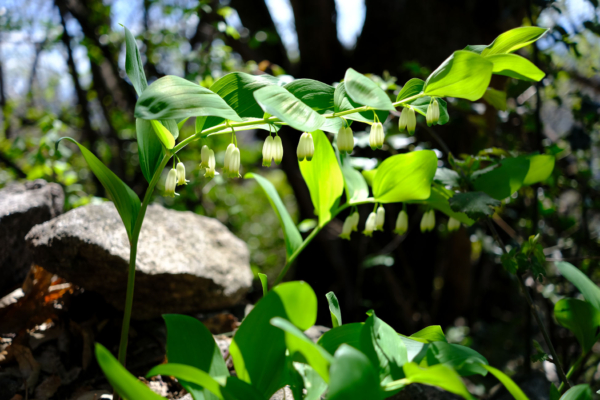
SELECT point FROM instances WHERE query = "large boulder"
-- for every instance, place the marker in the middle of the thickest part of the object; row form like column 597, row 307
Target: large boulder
column 23, row 206
column 186, row 262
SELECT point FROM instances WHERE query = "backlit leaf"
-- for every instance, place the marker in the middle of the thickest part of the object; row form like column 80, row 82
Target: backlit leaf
column 334, row 309
column 317, row 95
column 366, row 92
column 581, row 318
column 411, row 88
column 579, row 392
column 495, row 98
column 514, row 39
column 343, row 102
column 150, row 149
column 516, row 67
column 475, row 204
column 508, row 383
column 133, row 63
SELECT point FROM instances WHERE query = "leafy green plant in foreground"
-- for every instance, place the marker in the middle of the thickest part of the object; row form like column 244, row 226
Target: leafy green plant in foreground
column 369, row 358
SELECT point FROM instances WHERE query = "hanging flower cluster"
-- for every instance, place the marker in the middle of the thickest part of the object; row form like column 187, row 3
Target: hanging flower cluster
column 272, row 150
column 408, row 120
column 306, row 147
column 428, row 221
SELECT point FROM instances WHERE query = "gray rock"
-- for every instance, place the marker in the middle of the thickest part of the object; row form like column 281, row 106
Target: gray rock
column 186, row 262
column 23, row 206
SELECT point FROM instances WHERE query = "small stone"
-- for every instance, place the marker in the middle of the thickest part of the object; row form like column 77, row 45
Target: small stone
column 186, row 263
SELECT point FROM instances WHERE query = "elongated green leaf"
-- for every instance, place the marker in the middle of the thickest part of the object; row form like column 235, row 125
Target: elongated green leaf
column 462, row 359
column 323, row 177
column 464, row 75
column 366, row 92
column 433, row 333
column 475, row 204
column 334, row 309
column 355, row 184
column 405, row 177
column 508, row 383
column 415, row 347
column 171, row 126
column 303, row 349
column 513, row 40
column 279, row 102
column 125, row 384
column 439, row 201
column 579, row 392
column 516, row 67
column 352, row 376
column 163, row 134
column 540, row 168
column 258, row 348
column 189, row 342
column 412, row 88
column 293, row 239
column 313, row 383
column 421, row 104
column 125, row 200
column 496, row 98
column 505, row 180
column 236, row 389
column 317, row 95
column 581, row 318
column 171, row 97
column 343, row 102
column 331, row 125
column 133, row 63
column 589, row 289
column 237, row 89
column 189, row 374
column 475, row 48
column 344, row 334
column 439, row 375
column 264, row 282
column 150, row 149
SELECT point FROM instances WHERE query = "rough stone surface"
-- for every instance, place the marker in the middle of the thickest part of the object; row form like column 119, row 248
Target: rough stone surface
column 23, row 206
column 186, row 263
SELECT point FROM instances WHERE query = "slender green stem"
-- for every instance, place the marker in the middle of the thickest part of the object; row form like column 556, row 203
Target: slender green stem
column 534, row 311
column 572, row 370
column 132, row 258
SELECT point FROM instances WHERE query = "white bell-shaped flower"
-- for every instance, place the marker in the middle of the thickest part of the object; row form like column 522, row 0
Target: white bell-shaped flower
column 267, row 151
column 433, row 113
column 431, row 220
column 277, row 150
column 370, row 225
column 401, row 223
column 403, row 121
column 232, row 161
column 204, row 154
column 210, row 164
column 347, row 227
column 428, row 221
column 453, row 224
column 306, row 147
column 355, row 219
column 345, row 140
column 411, row 121
column 380, row 218
column 181, row 174
column 171, row 183
column 377, row 136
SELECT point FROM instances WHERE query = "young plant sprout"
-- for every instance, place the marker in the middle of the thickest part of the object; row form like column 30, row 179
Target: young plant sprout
column 306, row 147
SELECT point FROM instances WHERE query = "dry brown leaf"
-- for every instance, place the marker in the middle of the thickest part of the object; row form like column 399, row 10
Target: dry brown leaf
column 29, row 367
column 47, row 388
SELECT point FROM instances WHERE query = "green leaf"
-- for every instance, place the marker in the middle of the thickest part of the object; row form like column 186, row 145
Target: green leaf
column 508, row 383
column 412, row 88
column 323, row 177
column 540, row 168
column 475, row 48
column 189, row 374
column 258, row 348
column 279, row 102
column 171, row 97
column 496, row 98
column 163, row 134
column 150, row 149
column 133, row 63
column 515, row 66
column 317, row 95
column 355, row 184
column 344, row 334
column 433, row 333
column 125, row 384
column 369, row 175
column 422, row 103
column 293, row 239
column 414, row 347
column 352, row 376
column 171, row 126
column 334, row 309
column 581, row 318
column 343, row 102
column 439, row 375
column 366, row 92
column 579, row 392
column 439, row 200
column 447, row 177
column 505, row 180
column 590, row 291
column 125, row 200
column 313, row 383
column 264, row 282
column 237, row 89
column 298, row 344
column 463, row 360
column 464, row 75
column 513, row 40
column 475, row 204
column 405, row 177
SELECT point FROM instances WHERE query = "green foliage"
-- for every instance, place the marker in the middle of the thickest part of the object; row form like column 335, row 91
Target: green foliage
column 589, row 289
column 133, row 64
column 343, row 102
column 334, row 309
column 364, row 91
column 530, row 257
column 264, row 283
column 475, row 204
column 516, row 67
column 352, row 376
column 514, row 39
column 508, row 383
column 581, row 318
column 579, row 392
column 150, row 149
column 438, row 375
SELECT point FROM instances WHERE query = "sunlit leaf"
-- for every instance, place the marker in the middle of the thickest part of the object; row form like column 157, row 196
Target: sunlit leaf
column 317, row 95
column 150, row 149
column 514, row 39
column 264, row 283
column 508, row 383
column 355, row 184
column 540, row 168
column 496, row 98
column 352, row 376
column 334, row 309
column 516, row 67
column 133, row 63
column 462, row 359
column 343, row 102
column 579, row 392
column 581, row 318
column 344, row 334
column 589, row 289
column 411, row 88
column 439, row 375
column 475, row 204
column 163, row 134
column 433, row 333
column 366, row 92
column 190, row 374
column 237, row 89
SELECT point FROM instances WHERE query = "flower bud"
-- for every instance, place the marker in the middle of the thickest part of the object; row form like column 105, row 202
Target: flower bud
column 370, row 225
column 403, row 119
column 380, row 218
column 347, row 228
column 411, row 121
column 345, row 140
column 376, row 137
column 428, row 221
column 181, row 174
column 267, row 152
column 210, row 164
column 277, row 150
column 431, row 221
column 401, row 223
column 306, row 147
column 171, row 183
column 453, row 224
column 433, row 113
column 355, row 218
column 204, row 154
column 232, row 161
